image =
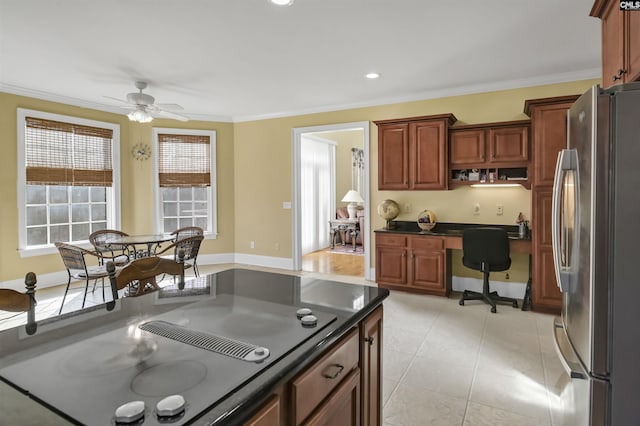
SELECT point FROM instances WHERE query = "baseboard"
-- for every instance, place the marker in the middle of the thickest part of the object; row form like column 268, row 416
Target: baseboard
column 506, row 289
column 43, row 281
column 265, row 261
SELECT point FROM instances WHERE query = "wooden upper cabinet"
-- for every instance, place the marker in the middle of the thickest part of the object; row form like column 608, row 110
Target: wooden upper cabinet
column 548, row 134
column 393, row 156
column 620, row 42
column 466, row 147
column 509, row 144
column 413, row 152
column 428, row 164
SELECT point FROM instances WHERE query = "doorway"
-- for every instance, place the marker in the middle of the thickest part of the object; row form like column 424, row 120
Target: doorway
column 345, row 178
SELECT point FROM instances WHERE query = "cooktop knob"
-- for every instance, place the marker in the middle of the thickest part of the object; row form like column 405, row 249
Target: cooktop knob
column 130, row 412
column 170, row 406
column 303, row 312
column 309, row 321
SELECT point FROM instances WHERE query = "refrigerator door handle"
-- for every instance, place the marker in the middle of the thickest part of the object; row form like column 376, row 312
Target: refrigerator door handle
column 567, row 161
column 567, row 356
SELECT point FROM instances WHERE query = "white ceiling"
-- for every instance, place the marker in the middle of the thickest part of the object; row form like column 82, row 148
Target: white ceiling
column 237, row 60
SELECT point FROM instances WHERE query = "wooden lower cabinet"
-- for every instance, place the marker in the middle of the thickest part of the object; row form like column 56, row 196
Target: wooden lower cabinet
column 268, row 415
column 371, row 369
column 412, row 263
column 342, row 407
column 545, row 295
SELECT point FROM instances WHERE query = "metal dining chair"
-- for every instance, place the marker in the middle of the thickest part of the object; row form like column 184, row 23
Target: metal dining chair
column 190, row 246
column 75, row 260
column 100, row 242
column 14, row 301
column 187, row 231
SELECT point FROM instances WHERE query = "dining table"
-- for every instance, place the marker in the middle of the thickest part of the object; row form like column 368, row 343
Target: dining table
column 150, row 243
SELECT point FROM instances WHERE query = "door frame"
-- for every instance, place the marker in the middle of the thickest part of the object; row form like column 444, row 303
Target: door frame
column 296, row 134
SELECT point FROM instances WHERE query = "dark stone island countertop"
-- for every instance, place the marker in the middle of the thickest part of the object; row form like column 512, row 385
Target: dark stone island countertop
column 447, row 229
column 349, row 303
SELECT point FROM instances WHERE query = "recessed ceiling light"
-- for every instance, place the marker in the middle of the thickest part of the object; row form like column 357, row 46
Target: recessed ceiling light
column 372, row 75
column 282, row 2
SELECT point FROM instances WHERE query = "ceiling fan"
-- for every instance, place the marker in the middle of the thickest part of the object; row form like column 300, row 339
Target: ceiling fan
column 144, row 108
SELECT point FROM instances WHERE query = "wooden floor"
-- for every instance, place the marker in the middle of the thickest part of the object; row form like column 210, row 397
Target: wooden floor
column 326, row 262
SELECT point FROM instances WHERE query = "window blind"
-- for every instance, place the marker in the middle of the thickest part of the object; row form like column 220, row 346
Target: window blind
column 59, row 153
column 184, row 160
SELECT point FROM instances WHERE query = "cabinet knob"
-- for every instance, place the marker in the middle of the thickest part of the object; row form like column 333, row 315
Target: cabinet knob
column 370, row 340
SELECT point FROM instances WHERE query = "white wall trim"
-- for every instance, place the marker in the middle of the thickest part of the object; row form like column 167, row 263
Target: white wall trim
column 266, row 261
column 296, row 134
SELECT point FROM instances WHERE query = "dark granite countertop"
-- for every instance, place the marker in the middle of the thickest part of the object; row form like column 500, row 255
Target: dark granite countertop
column 349, row 303
column 447, row 229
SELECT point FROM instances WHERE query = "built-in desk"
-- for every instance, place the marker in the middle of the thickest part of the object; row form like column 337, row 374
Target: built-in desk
column 410, row 259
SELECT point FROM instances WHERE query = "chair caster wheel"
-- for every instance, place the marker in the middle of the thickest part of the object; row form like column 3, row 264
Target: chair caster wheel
column 493, row 310
column 461, row 302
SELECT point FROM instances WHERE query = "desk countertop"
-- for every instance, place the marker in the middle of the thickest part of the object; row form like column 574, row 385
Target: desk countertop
column 447, row 229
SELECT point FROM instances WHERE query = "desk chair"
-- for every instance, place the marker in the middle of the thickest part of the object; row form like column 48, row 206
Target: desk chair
column 14, row 301
column 486, row 250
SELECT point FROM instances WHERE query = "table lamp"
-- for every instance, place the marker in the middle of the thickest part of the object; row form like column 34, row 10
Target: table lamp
column 353, row 198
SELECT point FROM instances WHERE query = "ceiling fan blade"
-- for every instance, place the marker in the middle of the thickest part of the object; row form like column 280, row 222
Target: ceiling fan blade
column 172, row 115
column 116, row 99
column 170, row 107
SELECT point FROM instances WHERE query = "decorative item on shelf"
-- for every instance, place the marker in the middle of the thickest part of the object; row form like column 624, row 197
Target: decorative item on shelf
column 523, row 226
column 388, row 210
column 141, row 151
column 353, row 198
column 426, row 220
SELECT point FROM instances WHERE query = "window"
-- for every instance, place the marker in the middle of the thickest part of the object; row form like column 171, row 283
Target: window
column 185, row 178
column 68, row 180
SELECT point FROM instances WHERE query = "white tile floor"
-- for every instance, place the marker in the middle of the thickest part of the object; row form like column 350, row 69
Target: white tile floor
column 444, row 364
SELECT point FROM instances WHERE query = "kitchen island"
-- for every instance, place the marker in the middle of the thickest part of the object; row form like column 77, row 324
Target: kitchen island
column 285, row 366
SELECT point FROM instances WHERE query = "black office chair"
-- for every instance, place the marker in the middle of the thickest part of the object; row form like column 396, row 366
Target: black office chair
column 486, row 250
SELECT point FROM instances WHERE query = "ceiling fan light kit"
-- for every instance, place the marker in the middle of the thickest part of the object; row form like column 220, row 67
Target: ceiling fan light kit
column 144, row 108
column 282, row 2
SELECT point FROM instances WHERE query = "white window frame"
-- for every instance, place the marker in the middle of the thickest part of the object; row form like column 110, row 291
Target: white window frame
column 113, row 193
column 212, row 194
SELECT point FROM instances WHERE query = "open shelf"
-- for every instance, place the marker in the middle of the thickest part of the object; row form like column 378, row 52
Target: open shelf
column 489, row 175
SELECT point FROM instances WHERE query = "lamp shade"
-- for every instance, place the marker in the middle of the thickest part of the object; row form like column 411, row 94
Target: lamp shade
column 352, row 197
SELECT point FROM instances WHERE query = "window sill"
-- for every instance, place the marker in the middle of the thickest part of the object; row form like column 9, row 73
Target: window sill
column 47, row 250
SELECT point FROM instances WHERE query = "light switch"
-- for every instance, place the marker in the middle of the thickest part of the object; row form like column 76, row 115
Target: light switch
column 476, row 209
column 499, row 209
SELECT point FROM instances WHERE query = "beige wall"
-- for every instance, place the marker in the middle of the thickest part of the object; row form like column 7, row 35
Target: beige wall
column 136, row 181
column 255, row 171
column 263, row 168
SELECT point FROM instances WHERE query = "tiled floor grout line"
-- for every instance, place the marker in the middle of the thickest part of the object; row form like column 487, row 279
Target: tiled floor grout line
column 475, row 369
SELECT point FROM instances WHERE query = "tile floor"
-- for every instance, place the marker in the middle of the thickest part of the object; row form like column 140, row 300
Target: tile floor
column 443, row 364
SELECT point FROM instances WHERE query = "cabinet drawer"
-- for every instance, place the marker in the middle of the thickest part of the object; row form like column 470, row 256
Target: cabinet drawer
column 316, row 383
column 427, row 243
column 391, row 240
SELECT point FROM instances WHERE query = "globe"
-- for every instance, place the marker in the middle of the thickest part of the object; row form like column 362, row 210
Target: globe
column 388, row 210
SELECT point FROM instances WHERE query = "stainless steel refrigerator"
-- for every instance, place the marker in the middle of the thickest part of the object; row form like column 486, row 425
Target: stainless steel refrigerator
column 596, row 246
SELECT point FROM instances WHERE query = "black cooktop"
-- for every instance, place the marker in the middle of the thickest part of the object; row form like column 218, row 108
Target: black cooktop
column 88, row 380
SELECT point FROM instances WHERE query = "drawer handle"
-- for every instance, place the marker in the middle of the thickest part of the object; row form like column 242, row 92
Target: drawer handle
column 336, row 372
column 370, row 339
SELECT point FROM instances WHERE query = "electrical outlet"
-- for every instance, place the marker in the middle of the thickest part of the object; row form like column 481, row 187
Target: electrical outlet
column 476, row 209
column 407, row 208
column 276, row 246
column 252, row 244
column 499, row 209
column 506, row 276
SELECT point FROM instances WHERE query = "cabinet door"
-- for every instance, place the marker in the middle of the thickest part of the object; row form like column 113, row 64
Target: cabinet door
column 393, row 154
column 545, row 293
column 633, row 45
column 343, row 406
column 371, row 368
column 269, row 414
column 466, row 147
column 428, row 155
column 391, row 265
column 509, row 144
column 612, row 44
column 549, row 137
column 427, row 270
